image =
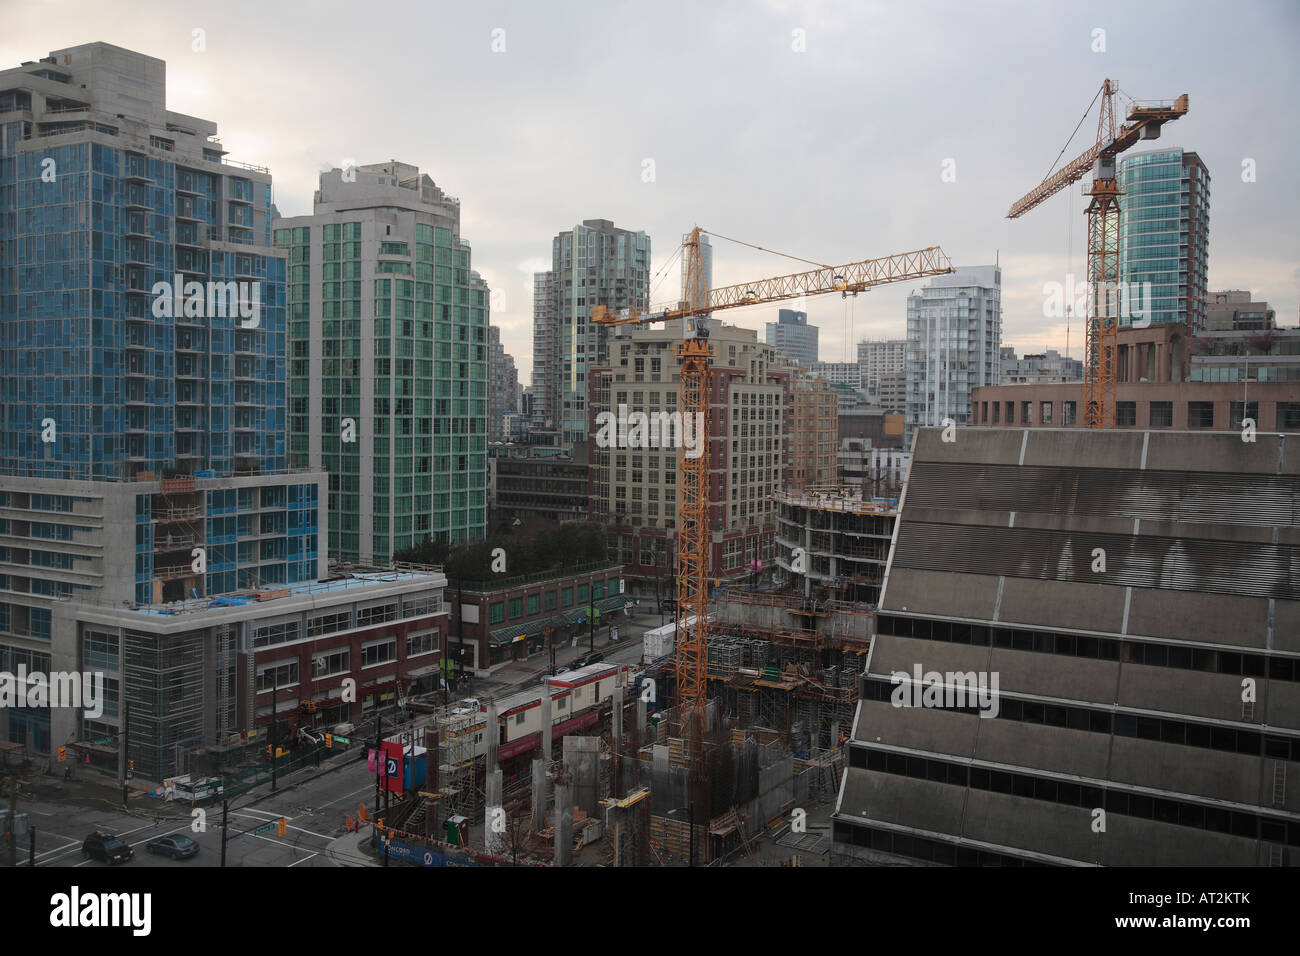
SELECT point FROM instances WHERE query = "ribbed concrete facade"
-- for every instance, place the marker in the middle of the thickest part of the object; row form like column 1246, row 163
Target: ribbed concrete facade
column 1136, row 596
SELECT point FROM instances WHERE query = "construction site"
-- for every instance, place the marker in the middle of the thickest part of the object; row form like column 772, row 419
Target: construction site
column 615, row 784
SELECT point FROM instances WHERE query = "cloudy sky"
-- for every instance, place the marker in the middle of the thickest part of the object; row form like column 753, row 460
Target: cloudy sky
column 819, row 129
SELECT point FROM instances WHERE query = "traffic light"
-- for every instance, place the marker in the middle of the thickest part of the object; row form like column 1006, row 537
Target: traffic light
column 280, row 826
column 329, row 741
column 130, row 768
column 63, row 754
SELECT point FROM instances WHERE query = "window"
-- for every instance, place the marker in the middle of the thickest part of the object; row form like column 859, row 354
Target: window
column 329, row 623
column 1288, row 416
column 378, row 652
column 516, row 608
column 550, row 601
column 1126, row 414
column 497, row 612
column 423, row 606
column 566, row 597
column 376, row 615
column 1200, row 414
column 1067, row 413
column 1250, row 410
column 333, row 662
column 534, row 604
column 1046, row 415
column 422, row 642
column 1162, row 414
column 280, row 673
column 280, row 633
column 1026, row 413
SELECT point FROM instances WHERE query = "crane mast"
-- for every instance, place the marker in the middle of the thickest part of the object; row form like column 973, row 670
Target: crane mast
column 695, row 353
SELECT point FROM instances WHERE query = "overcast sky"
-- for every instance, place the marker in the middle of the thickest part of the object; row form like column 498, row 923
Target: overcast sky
column 833, row 152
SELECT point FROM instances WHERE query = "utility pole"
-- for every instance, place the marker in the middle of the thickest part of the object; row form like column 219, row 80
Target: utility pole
column 591, row 619
column 275, row 742
column 225, row 806
column 460, row 632
column 379, row 736
column 126, row 748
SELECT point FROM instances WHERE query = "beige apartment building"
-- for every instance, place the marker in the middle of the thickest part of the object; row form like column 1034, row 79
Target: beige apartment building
column 753, row 405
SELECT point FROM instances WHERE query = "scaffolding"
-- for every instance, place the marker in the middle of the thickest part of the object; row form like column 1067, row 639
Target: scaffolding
column 460, row 745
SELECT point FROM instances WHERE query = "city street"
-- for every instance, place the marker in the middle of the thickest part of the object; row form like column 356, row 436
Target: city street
column 315, row 802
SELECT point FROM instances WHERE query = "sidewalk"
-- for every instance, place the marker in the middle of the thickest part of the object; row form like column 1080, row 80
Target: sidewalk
column 347, row 851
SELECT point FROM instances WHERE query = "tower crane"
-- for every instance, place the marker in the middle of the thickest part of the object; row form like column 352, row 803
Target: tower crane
column 1102, row 317
column 693, row 481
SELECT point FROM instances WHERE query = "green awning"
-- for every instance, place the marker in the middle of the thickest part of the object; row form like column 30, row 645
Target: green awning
column 510, row 633
column 615, row 602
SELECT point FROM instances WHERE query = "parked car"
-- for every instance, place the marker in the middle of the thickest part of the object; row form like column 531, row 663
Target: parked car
column 175, row 846
column 343, row 730
column 586, row 659
column 106, row 847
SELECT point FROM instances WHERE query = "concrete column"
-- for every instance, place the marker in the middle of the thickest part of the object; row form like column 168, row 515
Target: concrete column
column 493, row 732
column 582, row 766
column 493, row 814
column 539, row 795
column 546, row 724
column 618, row 715
column 563, row 825
column 640, row 721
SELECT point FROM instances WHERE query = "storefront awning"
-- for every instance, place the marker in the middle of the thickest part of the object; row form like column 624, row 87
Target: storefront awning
column 505, row 635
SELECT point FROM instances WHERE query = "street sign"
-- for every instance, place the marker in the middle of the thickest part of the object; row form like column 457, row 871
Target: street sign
column 267, row 827
column 342, row 740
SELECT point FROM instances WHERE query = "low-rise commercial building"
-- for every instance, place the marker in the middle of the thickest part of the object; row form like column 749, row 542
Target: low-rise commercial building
column 199, row 674
column 1166, row 379
column 514, row 618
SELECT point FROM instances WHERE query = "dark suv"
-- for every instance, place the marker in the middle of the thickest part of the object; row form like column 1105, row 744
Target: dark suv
column 586, row 659
column 106, row 847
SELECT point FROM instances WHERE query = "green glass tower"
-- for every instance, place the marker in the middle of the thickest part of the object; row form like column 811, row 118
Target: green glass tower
column 1164, row 235
column 388, row 340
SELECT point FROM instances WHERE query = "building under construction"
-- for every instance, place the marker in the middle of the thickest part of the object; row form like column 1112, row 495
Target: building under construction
column 833, row 542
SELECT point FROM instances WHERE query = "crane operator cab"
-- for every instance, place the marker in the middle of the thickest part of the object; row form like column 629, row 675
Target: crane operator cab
column 695, row 327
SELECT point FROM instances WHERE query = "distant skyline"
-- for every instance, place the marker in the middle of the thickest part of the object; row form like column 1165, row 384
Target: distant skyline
column 820, row 130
